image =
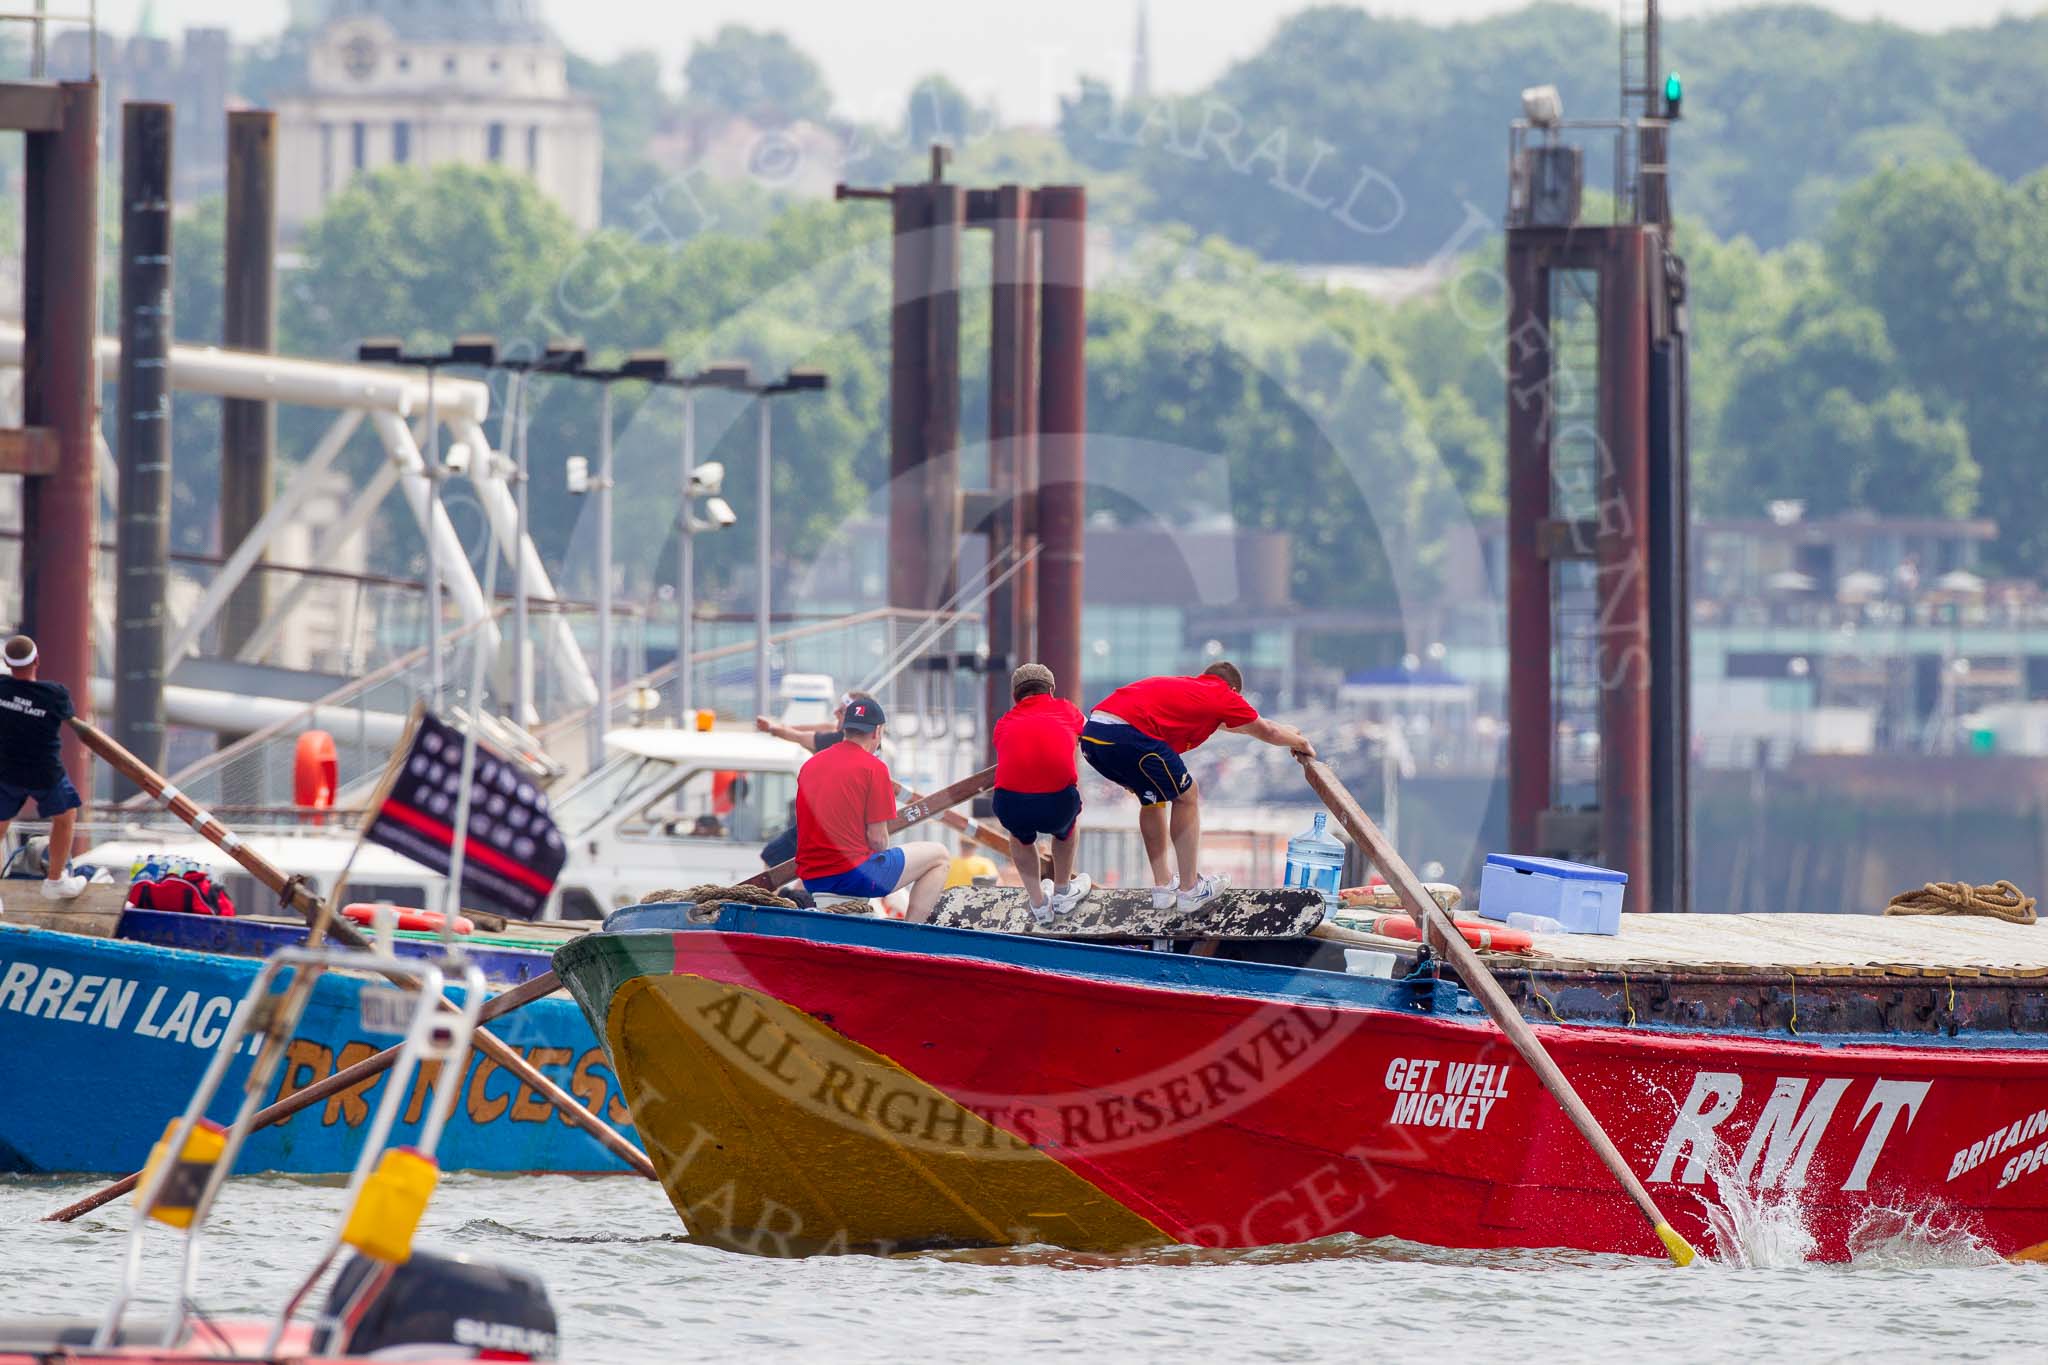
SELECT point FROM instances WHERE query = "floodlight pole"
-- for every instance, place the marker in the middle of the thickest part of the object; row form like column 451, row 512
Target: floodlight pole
column 435, row 679
column 604, row 580
column 522, row 651
column 686, row 569
column 761, row 560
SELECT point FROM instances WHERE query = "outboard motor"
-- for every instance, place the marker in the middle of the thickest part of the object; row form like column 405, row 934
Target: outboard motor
column 487, row 1311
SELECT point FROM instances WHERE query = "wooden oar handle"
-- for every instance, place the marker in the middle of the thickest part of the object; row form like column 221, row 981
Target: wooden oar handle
column 547, row 983
column 1442, row 934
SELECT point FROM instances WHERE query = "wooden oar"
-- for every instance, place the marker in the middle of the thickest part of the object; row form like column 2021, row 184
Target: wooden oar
column 346, row 1078
column 1440, row 933
column 915, row 811
column 294, row 893
column 961, row 824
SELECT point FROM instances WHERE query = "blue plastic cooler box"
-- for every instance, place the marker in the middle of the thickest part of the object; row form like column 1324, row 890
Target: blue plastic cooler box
column 1584, row 899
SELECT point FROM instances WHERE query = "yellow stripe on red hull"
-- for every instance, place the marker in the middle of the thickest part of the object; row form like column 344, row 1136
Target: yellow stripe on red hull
column 777, row 1135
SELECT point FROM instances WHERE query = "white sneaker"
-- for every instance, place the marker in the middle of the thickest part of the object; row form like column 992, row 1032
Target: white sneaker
column 63, row 889
column 1047, row 909
column 1207, row 888
column 1078, row 890
column 1167, row 896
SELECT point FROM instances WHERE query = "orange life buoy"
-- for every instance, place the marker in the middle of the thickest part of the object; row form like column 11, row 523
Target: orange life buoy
column 316, row 774
column 1494, row 938
column 426, row 921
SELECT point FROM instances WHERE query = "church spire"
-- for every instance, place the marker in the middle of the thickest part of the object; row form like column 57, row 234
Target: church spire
column 1141, row 58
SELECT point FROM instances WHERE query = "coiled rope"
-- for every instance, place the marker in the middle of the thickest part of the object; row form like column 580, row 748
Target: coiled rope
column 707, row 894
column 1998, row 900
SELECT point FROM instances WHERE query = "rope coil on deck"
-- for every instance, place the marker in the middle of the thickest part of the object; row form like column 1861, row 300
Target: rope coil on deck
column 1996, row 900
column 707, row 898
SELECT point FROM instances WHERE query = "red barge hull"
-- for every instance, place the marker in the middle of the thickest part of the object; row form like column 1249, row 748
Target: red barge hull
column 812, row 1082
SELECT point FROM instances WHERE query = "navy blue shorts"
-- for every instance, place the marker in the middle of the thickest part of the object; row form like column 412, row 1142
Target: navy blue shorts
column 1029, row 814
column 780, row 849
column 50, row 802
column 1135, row 761
column 877, row 876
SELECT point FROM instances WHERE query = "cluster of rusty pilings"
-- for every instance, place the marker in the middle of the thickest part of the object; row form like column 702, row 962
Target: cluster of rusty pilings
column 1037, row 413
column 1636, row 543
column 54, row 451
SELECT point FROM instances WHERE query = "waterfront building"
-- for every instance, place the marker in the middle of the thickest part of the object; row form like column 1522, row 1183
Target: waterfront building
column 433, row 83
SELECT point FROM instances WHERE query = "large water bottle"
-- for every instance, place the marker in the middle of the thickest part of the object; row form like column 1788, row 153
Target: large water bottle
column 1315, row 859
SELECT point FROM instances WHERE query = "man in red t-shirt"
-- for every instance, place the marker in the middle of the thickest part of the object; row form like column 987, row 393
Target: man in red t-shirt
column 844, row 803
column 1038, row 788
column 1135, row 738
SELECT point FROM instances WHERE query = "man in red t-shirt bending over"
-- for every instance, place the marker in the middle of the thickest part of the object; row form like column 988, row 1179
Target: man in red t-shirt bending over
column 844, row 803
column 1037, row 788
column 1135, row 737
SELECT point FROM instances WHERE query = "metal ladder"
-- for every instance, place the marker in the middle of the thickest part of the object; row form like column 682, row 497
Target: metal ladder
column 1640, row 98
column 429, row 1034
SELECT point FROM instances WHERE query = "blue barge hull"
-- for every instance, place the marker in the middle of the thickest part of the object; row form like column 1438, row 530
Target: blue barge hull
column 103, row 1040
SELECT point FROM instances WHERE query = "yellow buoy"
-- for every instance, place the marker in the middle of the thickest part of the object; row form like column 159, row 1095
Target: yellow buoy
column 970, row 870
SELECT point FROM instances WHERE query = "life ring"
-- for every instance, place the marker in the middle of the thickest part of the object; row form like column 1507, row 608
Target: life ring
column 1481, row 934
column 315, row 772
column 424, row 921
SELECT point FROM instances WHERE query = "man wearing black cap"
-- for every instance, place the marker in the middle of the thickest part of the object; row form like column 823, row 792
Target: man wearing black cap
column 844, row 803
column 32, row 716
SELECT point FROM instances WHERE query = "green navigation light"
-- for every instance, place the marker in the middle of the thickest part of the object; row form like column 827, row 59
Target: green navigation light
column 1674, row 95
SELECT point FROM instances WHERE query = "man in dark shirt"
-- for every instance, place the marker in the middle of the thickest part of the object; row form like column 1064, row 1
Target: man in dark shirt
column 32, row 716
column 816, row 738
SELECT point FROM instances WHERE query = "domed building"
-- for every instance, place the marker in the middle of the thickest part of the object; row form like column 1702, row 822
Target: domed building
column 433, row 83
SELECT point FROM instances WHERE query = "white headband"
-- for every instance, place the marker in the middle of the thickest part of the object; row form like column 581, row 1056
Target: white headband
column 13, row 662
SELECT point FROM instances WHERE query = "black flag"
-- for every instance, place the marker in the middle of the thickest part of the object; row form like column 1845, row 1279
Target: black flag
column 514, row 854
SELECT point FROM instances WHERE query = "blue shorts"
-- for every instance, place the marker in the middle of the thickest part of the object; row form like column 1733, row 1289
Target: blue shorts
column 50, row 802
column 1029, row 814
column 1135, row 761
column 877, row 876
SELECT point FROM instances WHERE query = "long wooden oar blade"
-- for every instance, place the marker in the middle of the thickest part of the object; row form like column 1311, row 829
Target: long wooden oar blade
column 547, row 983
column 915, row 810
column 1441, row 934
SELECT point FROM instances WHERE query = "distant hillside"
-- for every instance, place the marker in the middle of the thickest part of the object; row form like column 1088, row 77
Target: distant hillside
column 1356, row 138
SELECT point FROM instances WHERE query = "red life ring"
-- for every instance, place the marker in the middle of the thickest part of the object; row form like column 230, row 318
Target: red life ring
column 1494, row 938
column 315, row 772
column 425, row 921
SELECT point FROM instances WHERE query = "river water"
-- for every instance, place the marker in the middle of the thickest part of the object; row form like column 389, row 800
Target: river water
column 629, row 1288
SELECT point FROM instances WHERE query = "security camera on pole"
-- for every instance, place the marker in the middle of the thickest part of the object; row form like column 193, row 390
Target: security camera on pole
column 561, row 357
column 698, row 481
column 479, row 351
column 796, row 381
column 645, row 367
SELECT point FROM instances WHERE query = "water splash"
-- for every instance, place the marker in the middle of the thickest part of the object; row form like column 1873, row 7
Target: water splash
column 1923, row 1238
column 1756, row 1229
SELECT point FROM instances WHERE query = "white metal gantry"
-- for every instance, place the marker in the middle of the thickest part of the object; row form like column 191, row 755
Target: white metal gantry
column 395, row 402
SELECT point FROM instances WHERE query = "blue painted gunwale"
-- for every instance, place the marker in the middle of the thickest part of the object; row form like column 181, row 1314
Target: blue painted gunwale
column 238, row 937
column 1217, row 976
column 90, row 1096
